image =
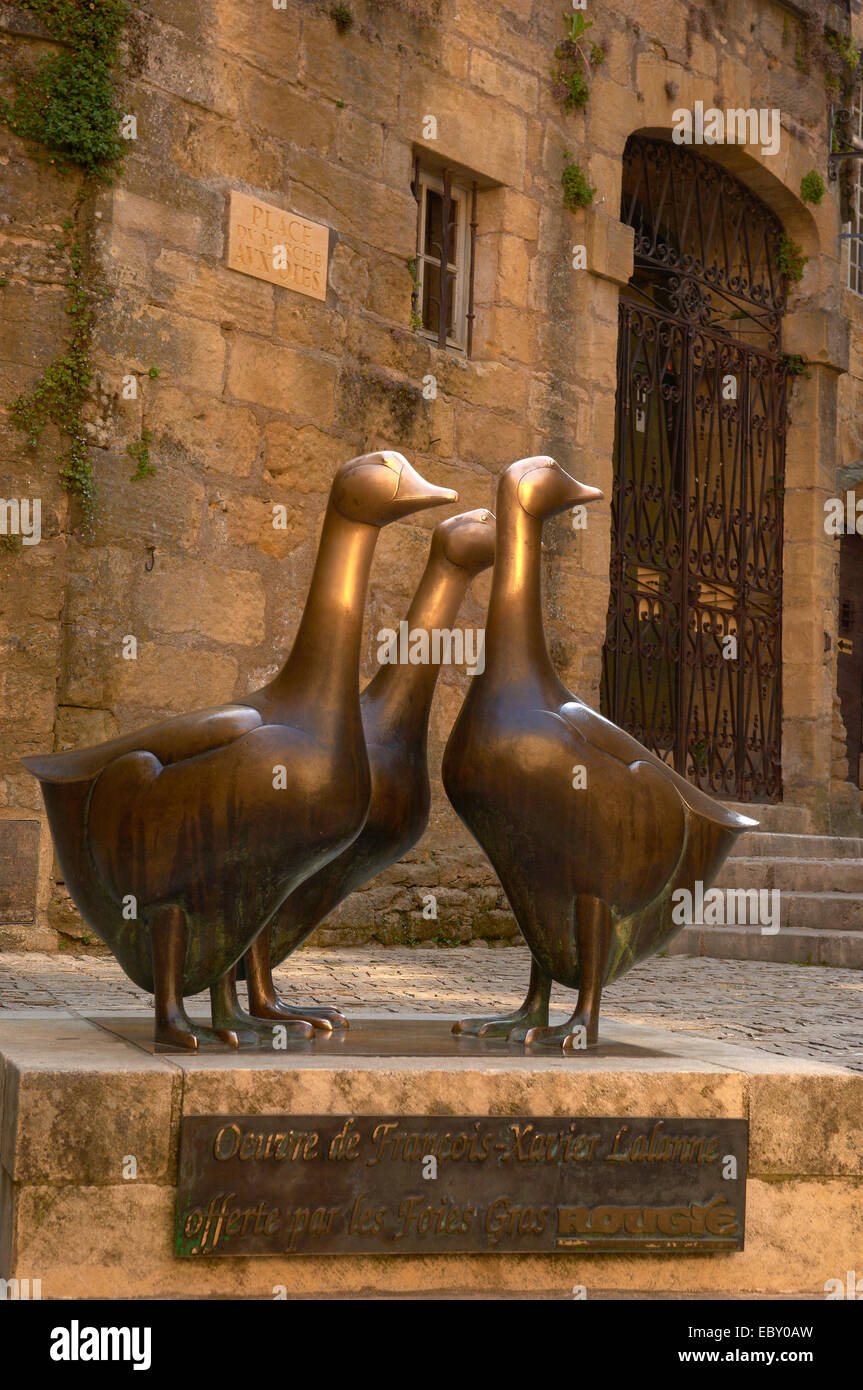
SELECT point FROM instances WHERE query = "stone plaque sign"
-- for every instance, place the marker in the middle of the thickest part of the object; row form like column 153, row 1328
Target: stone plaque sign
column 278, row 246
column 19, row 870
column 416, row 1184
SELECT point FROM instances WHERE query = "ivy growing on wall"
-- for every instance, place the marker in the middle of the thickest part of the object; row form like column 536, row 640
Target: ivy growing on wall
column 65, row 109
column 66, row 105
column 841, row 61
column 820, row 49
column 59, row 395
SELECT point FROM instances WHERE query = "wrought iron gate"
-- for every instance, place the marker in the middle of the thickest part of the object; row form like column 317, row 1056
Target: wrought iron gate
column 692, row 658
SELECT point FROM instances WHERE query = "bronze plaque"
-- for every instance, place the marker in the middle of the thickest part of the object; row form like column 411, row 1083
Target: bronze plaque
column 435, row 1184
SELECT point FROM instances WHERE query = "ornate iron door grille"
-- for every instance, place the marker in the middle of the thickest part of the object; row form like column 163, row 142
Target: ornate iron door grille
column 692, row 658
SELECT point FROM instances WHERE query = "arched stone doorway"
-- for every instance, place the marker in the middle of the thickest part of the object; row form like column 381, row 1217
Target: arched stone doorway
column 692, row 657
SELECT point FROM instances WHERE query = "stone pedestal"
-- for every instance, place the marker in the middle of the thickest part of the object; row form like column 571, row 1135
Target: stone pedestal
column 80, row 1101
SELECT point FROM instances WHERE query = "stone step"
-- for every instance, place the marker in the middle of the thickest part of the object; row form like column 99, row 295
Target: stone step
column 789, row 820
column 822, row 911
column 794, row 875
column 818, row 912
column 773, row 845
column 794, row 947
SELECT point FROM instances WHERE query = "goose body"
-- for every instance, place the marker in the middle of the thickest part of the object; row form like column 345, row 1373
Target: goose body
column 395, row 711
column 589, row 832
column 179, row 841
column 183, row 813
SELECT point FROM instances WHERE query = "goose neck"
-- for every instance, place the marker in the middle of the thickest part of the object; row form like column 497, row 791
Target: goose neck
column 401, row 692
column 515, row 643
column 323, row 666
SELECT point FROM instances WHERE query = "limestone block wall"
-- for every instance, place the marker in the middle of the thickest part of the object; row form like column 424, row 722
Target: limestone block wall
column 251, row 395
column 35, row 201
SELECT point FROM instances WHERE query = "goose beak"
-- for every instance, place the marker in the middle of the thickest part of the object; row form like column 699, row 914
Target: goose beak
column 584, row 493
column 415, row 493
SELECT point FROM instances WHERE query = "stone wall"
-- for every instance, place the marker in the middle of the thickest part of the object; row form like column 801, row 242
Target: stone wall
column 257, row 393
column 35, row 200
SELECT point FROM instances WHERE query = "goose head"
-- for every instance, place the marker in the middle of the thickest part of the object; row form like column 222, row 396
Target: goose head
column 466, row 540
column 542, row 488
column 378, row 488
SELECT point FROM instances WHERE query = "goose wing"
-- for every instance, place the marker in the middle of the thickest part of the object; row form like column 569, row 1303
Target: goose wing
column 602, row 734
column 172, row 741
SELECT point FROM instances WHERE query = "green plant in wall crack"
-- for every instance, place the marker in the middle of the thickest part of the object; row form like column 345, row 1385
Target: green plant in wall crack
column 139, row 450
column 343, row 18
column 812, row 187
column 794, row 364
column 577, row 192
column 790, row 258
column 577, row 57
column 67, row 104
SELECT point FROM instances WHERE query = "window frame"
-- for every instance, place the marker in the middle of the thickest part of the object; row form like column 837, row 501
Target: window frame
column 854, row 235
column 460, row 264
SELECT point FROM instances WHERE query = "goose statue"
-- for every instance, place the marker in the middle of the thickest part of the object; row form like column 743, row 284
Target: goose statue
column 395, row 710
column 180, row 841
column 589, row 832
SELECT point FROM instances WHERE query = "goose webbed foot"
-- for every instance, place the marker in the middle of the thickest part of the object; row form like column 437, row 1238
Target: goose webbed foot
column 532, row 1013
column 511, row 1026
column 594, row 928
column 324, row 1019
column 251, row 1030
column 173, row 1027
column 264, row 1002
column 176, row 1029
column 577, row 1033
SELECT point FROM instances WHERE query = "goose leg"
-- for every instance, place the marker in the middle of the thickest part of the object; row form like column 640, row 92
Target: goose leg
column 532, row 1012
column 174, row 1028
column 265, row 1003
column 594, row 927
column 228, row 1012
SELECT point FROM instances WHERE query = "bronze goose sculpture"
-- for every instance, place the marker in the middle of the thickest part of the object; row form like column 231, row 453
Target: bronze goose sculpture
column 179, row 841
column 589, row 832
column 395, row 709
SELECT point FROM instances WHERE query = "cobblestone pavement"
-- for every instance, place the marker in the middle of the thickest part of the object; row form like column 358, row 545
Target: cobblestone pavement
column 808, row 1011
